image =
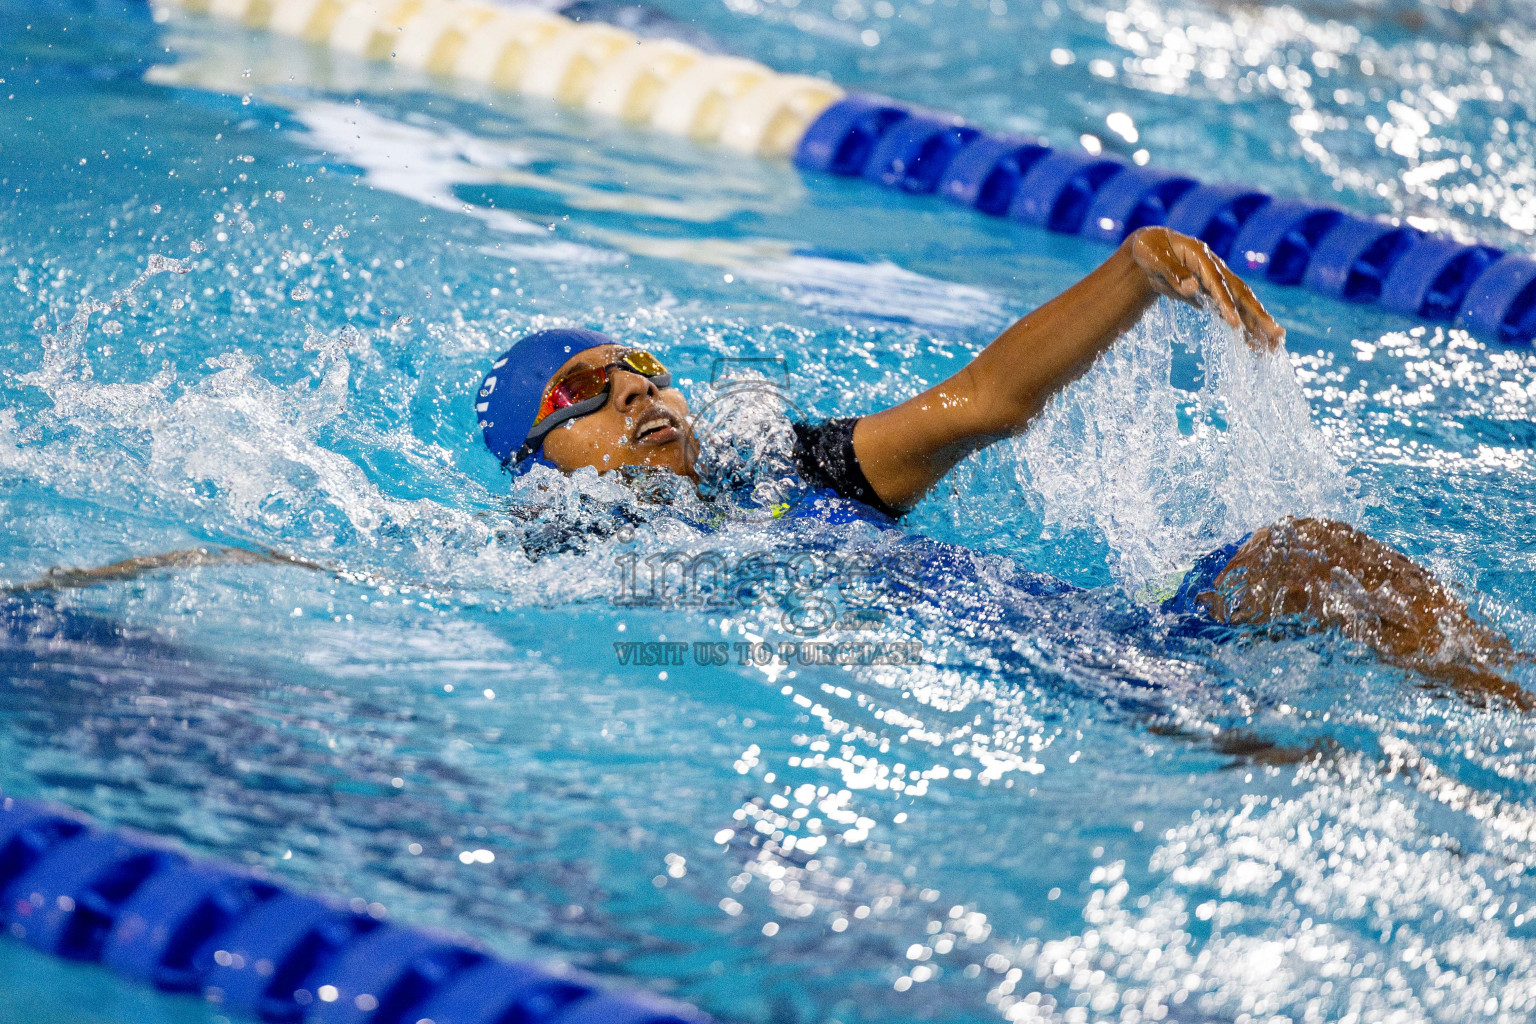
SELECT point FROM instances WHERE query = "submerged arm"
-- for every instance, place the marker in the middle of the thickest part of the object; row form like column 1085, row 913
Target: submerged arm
column 132, row 568
column 905, row 450
column 1322, row 574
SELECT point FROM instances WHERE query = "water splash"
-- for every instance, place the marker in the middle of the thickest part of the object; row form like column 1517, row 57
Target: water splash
column 1178, row 440
column 64, row 349
column 294, row 467
column 228, row 450
column 742, row 420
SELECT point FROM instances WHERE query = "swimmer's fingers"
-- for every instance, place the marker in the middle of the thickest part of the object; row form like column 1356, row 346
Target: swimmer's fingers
column 1181, row 268
column 1213, row 282
column 1264, row 334
column 1184, row 268
column 1235, row 301
column 1179, row 282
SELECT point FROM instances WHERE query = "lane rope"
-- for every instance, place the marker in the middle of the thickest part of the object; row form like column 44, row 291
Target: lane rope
column 81, row 891
column 662, row 84
column 673, row 87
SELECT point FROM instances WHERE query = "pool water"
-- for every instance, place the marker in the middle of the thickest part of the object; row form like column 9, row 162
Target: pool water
column 251, row 288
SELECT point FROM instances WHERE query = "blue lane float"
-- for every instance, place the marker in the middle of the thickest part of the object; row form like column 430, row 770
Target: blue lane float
column 844, row 137
column 1216, row 213
column 1432, row 279
column 986, row 174
column 1277, row 241
column 1131, row 199
column 923, row 151
column 1502, row 301
column 1355, row 256
column 90, row 894
column 1283, row 241
column 916, row 151
column 1058, row 189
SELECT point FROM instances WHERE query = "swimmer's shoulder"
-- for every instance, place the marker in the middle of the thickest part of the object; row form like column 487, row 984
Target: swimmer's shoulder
column 825, row 459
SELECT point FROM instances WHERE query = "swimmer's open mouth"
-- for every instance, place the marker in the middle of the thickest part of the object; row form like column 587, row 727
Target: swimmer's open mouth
column 660, row 426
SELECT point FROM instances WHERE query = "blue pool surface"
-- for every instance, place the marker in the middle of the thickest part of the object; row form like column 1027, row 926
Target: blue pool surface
column 1042, row 819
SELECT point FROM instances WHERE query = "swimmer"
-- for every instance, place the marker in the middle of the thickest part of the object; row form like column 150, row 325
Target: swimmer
column 571, row 399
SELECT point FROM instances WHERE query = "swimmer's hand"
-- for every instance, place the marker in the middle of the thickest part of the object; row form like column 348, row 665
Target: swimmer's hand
column 1184, row 268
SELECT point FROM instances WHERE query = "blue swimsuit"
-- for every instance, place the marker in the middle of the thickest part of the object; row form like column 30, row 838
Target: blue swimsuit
column 825, row 459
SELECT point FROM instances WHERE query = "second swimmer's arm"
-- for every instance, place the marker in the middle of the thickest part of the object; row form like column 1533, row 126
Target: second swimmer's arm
column 905, row 450
column 133, row 568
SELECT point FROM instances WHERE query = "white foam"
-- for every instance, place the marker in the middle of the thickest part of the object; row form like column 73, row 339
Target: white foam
column 1109, row 451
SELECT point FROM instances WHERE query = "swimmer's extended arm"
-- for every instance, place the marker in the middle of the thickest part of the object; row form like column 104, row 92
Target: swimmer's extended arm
column 905, row 450
column 132, row 568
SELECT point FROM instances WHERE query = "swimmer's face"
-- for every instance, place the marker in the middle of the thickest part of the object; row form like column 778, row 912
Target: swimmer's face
column 641, row 424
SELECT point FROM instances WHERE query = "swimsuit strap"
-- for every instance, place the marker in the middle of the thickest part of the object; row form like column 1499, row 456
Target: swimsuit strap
column 825, row 458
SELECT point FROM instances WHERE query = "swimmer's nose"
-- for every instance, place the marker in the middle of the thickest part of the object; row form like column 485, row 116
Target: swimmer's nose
column 628, row 388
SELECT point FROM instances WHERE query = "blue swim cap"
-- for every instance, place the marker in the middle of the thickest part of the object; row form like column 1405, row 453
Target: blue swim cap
column 510, row 394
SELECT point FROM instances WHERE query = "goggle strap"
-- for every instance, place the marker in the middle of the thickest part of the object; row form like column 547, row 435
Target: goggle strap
column 540, row 429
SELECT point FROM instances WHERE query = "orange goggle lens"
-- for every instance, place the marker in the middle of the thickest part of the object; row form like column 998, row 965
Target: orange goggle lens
column 586, row 383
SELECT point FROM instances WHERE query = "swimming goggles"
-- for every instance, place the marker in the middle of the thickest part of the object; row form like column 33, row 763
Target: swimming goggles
column 585, row 390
